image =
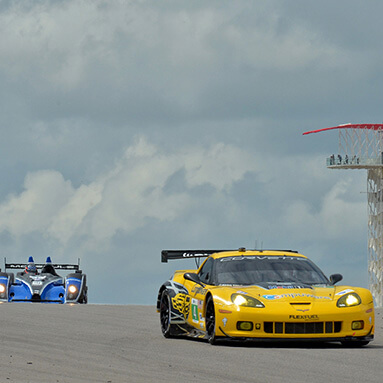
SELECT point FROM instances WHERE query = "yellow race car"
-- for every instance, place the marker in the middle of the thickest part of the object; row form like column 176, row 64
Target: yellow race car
column 260, row 295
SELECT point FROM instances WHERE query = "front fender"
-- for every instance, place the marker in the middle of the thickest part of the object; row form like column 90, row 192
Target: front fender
column 19, row 291
column 54, row 293
column 5, row 282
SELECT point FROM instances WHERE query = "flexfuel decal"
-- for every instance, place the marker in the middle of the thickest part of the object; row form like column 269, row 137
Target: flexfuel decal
column 304, row 317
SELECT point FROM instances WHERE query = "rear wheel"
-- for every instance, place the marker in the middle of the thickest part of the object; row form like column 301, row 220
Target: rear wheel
column 210, row 321
column 165, row 313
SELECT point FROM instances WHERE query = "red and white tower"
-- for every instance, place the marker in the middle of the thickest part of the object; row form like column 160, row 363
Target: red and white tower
column 361, row 147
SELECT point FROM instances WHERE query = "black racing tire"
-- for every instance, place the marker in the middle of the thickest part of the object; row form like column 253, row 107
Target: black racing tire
column 84, row 297
column 210, row 321
column 354, row 343
column 165, row 315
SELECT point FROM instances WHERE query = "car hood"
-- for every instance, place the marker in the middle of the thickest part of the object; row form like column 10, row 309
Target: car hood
column 290, row 292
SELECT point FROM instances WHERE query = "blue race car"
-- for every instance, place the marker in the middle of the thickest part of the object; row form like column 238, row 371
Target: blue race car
column 45, row 286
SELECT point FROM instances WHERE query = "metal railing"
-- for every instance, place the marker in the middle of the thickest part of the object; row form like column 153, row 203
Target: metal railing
column 361, row 161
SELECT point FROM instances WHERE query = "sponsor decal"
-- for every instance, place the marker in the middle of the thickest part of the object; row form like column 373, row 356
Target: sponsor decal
column 194, row 310
column 181, row 302
column 199, row 290
column 260, row 257
column 304, row 317
column 345, row 292
column 200, row 305
column 37, row 278
column 293, row 295
column 189, row 255
column 271, row 287
column 272, row 297
column 241, row 292
column 224, row 321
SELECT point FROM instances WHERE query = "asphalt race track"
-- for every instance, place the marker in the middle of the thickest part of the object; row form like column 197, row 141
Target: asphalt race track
column 102, row 343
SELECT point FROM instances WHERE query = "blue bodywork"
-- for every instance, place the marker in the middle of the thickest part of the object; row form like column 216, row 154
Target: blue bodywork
column 46, row 286
column 52, row 291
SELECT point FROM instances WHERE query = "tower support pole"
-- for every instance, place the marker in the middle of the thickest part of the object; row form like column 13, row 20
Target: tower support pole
column 375, row 233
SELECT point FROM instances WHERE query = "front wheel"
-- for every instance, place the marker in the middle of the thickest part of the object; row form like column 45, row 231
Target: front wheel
column 210, row 321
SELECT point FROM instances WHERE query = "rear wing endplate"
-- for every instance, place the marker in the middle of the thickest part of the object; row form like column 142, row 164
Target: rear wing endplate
column 186, row 254
column 57, row 266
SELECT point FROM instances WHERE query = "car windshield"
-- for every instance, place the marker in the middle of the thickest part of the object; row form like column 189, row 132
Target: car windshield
column 249, row 270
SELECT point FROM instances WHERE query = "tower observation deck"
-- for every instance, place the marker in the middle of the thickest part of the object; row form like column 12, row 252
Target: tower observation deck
column 361, row 147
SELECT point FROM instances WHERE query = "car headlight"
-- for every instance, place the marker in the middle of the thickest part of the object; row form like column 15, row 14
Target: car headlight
column 349, row 300
column 3, row 289
column 72, row 289
column 246, row 301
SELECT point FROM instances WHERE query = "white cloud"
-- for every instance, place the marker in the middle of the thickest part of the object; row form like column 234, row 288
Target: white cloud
column 34, row 208
column 122, row 199
column 220, row 166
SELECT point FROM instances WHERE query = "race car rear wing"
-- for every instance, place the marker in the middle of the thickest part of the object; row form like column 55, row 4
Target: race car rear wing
column 57, row 266
column 186, row 254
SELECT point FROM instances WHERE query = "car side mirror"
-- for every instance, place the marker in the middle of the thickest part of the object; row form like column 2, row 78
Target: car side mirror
column 194, row 278
column 334, row 278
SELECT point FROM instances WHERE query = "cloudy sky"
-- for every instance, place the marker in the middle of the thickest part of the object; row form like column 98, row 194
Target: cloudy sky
column 128, row 127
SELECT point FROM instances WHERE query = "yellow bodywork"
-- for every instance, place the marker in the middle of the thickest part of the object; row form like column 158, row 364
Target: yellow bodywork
column 290, row 313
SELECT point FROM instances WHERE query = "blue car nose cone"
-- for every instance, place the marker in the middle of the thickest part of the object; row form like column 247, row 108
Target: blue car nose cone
column 48, row 260
column 30, row 259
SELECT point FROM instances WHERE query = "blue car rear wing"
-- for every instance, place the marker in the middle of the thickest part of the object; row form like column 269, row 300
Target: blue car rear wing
column 57, row 266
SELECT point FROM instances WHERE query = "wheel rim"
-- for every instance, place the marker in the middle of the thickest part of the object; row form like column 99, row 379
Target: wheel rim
column 165, row 313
